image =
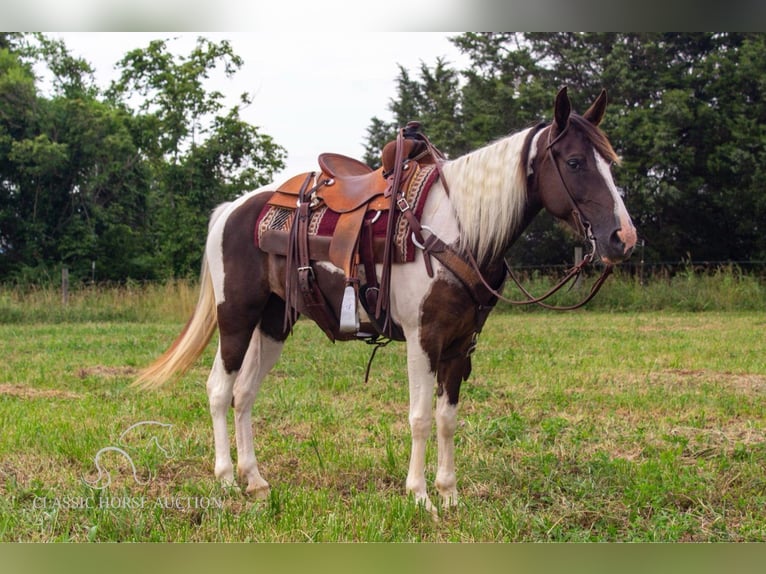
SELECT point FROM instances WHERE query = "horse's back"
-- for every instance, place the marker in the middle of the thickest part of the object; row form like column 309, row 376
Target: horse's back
column 235, row 261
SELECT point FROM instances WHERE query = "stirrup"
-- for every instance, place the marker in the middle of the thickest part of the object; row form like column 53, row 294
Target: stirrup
column 349, row 314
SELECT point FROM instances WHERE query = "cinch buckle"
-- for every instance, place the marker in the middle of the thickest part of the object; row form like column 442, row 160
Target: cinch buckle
column 307, row 268
column 402, row 204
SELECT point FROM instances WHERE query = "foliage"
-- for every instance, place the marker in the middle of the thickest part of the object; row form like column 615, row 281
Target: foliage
column 687, row 115
column 95, row 179
column 126, row 177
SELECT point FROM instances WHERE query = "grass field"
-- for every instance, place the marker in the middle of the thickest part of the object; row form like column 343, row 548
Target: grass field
column 592, row 425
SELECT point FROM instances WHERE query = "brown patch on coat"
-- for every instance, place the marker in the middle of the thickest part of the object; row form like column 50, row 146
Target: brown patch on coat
column 448, row 324
column 247, row 288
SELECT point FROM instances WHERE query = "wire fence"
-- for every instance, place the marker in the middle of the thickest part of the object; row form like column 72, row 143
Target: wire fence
column 647, row 270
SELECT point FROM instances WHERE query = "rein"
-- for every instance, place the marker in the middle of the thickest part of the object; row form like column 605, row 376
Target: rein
column 463, row 264
column 571, row 275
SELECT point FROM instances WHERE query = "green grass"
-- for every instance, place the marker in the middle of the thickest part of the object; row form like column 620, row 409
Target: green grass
column 131, row 302
column 586, row 426
column 724, row 288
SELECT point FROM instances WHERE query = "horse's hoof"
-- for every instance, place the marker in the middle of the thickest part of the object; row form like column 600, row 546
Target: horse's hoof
column 449, row 500
column 258, row 491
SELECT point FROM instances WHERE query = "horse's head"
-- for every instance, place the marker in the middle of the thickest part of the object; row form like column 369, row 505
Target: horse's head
column 571, row 167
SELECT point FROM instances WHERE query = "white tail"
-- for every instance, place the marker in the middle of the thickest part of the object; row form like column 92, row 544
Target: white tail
column 192, row 341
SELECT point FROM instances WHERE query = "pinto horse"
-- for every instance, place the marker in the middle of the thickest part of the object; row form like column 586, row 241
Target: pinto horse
column 478, row 206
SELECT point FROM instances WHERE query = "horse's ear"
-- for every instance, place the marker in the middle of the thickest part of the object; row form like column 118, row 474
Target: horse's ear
column 595, row 113
column 562, row 109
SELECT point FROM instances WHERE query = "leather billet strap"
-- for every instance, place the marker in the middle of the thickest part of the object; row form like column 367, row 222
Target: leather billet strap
column 416, row 229
column 299, row 262
column 388, row 254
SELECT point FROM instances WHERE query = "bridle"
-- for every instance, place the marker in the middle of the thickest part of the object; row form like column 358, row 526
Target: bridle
column 573, row 273
column 463, row 265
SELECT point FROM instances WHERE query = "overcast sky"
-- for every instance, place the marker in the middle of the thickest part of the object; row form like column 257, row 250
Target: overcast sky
column 311, row 92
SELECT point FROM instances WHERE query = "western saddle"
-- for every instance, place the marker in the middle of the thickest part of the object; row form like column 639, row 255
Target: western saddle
column 357, row 195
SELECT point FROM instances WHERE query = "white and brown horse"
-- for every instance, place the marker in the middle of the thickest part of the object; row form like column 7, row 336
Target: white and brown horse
column 490, row 196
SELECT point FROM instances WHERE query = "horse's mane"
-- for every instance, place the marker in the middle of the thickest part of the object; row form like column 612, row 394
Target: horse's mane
column 488, row 190
column 596, row 137
column 489, row 186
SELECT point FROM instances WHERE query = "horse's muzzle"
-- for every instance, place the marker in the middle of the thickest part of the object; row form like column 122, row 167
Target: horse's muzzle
column 620, row 245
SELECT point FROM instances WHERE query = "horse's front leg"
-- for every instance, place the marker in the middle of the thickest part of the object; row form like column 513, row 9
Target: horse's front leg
column 451, row 374
column 446, row 478
column 421, row 386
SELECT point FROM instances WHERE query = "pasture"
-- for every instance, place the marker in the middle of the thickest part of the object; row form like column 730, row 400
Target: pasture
column 594, row 425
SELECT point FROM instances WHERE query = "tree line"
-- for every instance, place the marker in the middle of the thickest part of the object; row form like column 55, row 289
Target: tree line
column 687, row 115
column 126, row 176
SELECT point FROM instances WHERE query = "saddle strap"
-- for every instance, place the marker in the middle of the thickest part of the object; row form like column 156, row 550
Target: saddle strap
column 385, row 282
column 416, row 229
column 299, row 263
column 456, row 263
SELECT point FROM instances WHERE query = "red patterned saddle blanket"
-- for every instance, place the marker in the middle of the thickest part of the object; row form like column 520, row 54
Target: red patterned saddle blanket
column 276, row 218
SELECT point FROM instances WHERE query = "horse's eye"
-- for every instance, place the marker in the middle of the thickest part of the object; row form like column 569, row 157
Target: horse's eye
column 574, row 164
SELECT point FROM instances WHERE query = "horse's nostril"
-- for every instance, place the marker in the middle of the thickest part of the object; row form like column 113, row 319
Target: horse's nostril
column 627, row 234
column 618, row 245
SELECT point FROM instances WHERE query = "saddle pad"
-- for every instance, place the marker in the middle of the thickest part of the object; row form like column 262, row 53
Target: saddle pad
column 323, row 220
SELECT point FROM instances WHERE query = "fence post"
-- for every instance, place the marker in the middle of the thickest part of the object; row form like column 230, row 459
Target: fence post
column 65, row 286
column 577, row 261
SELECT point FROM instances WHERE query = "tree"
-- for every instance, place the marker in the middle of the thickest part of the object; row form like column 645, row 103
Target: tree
column 686, row 114
column 70, row 175
column 432, row 99
column 200, row 156
column 85, row 177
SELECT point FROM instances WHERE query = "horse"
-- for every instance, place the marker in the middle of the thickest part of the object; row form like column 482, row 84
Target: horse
column 477, row 207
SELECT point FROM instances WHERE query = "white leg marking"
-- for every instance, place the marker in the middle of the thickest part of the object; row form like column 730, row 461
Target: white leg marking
column 421, row 382
column 219, row 392
column 261, row 356
column 446, row 423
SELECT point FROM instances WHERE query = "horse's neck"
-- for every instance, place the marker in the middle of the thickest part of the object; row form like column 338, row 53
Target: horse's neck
column 439, row 215
column 488, row 193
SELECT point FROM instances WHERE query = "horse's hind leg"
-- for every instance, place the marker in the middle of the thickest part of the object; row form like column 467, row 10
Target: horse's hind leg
column 219, row 392
column 236, row 325
column 261, row 356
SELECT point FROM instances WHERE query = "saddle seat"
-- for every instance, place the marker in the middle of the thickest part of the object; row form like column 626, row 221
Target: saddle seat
column 338, row 165
column 342, row 192
column 349, row 190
